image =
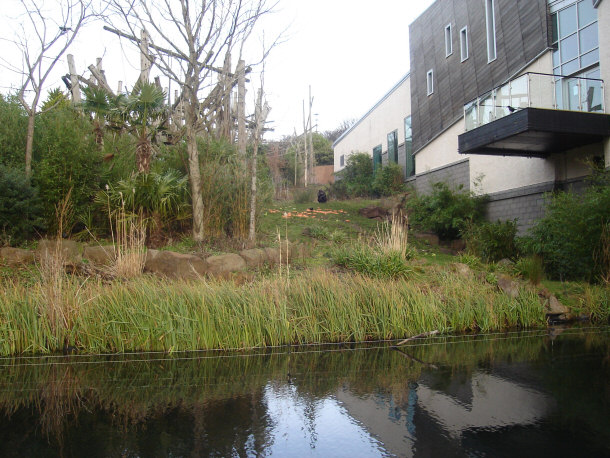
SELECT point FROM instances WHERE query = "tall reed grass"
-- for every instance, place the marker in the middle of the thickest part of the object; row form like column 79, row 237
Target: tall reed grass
column 149, row 315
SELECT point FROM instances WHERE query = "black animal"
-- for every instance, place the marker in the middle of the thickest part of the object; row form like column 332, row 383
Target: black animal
column 322, row 196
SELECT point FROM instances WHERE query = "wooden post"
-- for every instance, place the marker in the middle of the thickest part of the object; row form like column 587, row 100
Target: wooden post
column 73, row 80
column 145, row 59
column 260, row 116
column 241, row 108
column 311, row 155
column 305, row 158
column 119, row 87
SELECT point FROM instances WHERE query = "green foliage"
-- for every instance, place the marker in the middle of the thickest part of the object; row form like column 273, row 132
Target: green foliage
column 388, row 180
column 20, row 209
column 492, row 241
column 356, row 179
column 530, row 268
column 56, row 99
column 570, row 234
column 304, row 195
column 322, row 150
column 372, row 262
column 13, row 127
column 445, row 211
column 226, row 188
column 69, row 160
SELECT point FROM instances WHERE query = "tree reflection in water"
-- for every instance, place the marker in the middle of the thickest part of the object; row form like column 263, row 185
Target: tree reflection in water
column 225, row 404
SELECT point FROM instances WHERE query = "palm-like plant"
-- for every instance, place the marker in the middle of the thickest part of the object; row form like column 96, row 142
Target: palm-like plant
column 144, row 110
column 97, row 104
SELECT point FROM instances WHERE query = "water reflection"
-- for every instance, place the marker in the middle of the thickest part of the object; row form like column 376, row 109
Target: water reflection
column 494, row 395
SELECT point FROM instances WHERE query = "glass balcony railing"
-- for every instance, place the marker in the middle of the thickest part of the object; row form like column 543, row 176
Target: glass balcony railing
column 536, row 90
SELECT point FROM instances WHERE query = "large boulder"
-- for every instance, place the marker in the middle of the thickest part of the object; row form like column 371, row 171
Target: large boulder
column 394, row 205
column 225, row 263
column 254, row 257
column 69, row 250
column 373, row 212
column 175, row 265
column 16, row 256
column 103, row 255
column 509, row 286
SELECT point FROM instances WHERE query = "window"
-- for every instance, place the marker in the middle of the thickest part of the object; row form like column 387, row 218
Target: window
column 448, row 41
column 376, row 158
column 393, row 147
column 342, row 160
column 430, row 81
column 491, row 30
column 410, row 169
column 464, row 43
column 575, row 40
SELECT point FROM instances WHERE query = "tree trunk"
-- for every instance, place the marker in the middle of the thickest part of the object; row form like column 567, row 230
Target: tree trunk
column 252, row 234
column 29, row 144
column 195, row 179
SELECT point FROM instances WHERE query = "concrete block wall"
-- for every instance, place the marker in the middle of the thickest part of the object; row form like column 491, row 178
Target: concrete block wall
column 455, row 174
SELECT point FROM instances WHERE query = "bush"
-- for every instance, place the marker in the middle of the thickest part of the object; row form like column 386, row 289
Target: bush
column 530, row 268
column 69, row 160
column 569, row 237
column 446, row 212
column 20, row 208
column 388, row 180
column 356, row 179
column 13, row 128
column 305, row 195
column 372, row 262
column 492, row 241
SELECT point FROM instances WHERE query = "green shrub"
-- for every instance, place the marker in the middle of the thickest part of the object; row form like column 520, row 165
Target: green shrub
column 569, row 237
column 69, row 160
column 530, row 268
column 492, row 241
column 388, row 180
column 13, row 128
column 20, row 209
column 445, row 211
column 305, row 195
column 372, row 262
column 356, row 179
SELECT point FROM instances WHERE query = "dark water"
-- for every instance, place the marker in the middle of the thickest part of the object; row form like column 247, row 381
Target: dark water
column 529, row 394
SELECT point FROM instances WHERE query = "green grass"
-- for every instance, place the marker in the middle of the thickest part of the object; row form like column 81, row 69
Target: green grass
column 149, row 315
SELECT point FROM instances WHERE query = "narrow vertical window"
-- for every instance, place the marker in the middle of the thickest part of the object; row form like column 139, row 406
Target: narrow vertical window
column 393, row 147
column 342, row 160
column 464, row 43
column 410, row 169
column 430, row 81
column 491, row 30
column 376, row 158
column 448, row 41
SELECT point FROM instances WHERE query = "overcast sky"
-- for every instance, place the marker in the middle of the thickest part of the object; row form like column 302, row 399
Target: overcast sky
column 351, row 53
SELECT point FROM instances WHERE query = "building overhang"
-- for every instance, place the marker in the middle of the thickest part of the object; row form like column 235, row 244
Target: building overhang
column 535, row 132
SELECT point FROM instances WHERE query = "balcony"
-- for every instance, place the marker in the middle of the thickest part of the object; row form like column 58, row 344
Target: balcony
column 536, row 115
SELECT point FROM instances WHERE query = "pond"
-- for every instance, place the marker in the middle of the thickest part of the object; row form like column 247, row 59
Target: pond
column 539, row 393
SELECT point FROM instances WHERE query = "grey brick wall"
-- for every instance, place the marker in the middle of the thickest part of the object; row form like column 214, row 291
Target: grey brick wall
column 455, row 174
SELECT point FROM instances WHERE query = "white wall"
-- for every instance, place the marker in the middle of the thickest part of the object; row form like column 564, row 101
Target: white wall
column 373, row 129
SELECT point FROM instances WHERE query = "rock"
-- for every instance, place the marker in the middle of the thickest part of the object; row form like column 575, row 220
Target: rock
column 508, row 286
column 373, row 212
column 458, row 245
column 16, row 256
column 505, row 263
column 432, row 239
column 101, row 255
column 555, row 307
column 394, row 205
column 273, row 255
column 254, row 257
column 68, row 249
column 175, row 265
column 462, row 269
column 225, row 263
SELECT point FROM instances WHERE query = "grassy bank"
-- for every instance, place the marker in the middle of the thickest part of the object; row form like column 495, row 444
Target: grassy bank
column 150, row 315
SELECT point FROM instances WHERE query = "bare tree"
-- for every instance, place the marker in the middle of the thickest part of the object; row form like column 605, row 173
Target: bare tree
column 186, row 40
column 261, row 112
column 45, row 34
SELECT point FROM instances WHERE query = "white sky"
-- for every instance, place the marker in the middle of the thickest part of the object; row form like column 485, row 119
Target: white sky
column 351, row 52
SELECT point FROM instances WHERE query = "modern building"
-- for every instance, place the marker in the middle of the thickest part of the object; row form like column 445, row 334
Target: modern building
column 506, row 98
